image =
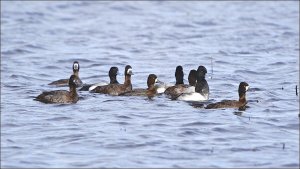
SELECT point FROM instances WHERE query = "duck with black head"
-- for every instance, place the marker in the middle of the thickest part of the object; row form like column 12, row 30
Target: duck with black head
column 150, row 92
column 116, row 89
column 113, row 72
column 60, row 96
column 65, row 82
column 201, row 85
column 241, row 103
column 175, row 91
column 191, row 94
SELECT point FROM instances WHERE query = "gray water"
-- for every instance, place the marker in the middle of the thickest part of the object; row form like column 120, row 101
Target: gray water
column 256, row 42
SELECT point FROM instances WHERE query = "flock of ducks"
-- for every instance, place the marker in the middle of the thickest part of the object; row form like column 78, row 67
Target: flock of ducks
column 196, row 90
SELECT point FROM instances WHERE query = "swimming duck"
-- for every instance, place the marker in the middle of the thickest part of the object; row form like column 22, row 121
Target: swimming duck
column 175, row 91
column 65, row 82
column 150, row 91
column 243, row 87
column 116, row 89
column 201, row 84
column 60, row 96
column 191, row 94
column 113, row 72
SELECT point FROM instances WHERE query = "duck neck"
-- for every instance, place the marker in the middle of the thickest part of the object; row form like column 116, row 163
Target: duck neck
column 127, row 81
column 113, row 80
column 151, row 91
column 179, row 81
column 199, row 78
column 76, row 73
column 192, row 83
column 151, row 87
column 242, row 97
column 73, row 91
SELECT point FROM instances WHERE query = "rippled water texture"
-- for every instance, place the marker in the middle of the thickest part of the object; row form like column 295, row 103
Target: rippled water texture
column 256, row 42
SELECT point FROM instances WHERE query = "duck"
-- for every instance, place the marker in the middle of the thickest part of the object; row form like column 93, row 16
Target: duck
column 60, row 96
column 191, row 94
column 65, row 82
column 113, row 72
column 150, row 91
column 116, row 89
column 175, row 91
column 241, row 103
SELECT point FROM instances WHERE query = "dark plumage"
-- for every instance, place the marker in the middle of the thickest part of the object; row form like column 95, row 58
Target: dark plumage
column 243, row 87
column 179, row 75
column 65, row 82
column 113, row 72
column 192, row 78
column 174, row 91
column 201, row 84
column 116, row 89
column 60, row 96
column 150, row 91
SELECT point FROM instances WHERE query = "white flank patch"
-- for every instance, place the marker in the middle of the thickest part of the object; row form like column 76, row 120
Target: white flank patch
column 160, row 89
column 96, row 85
column 192, row 97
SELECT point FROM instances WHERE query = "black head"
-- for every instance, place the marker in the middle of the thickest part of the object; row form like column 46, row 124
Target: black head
column 128, row 70
column 201, row 71
column 152, row 79
column 179, row 75
column 75, row 66
column 72, row 81
column 192, row 77
column 243, row 87
column 113, row 71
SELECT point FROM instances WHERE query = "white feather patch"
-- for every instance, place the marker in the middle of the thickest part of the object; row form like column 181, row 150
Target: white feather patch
column 76, row 66
column 192, row 97
column 96, row 85
column 129, row 71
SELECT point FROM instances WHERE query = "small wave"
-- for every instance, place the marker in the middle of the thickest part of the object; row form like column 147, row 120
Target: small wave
column 188, row 133
column 223, row 62
column 39, row 14
column 124, row 117
column 155, row 124
column 120, row 122
column 70, row 61
column 277, row 64
column 51, row 67
column 243, row 149
column 291, row 165
column 117, row 100
column 243, row 52
column 223, row 52
column 16, row 51
column 115, row 48
column 200, row 124
column 252, row 72
column 222, row 130
column 34, row 47
column 59, row 119
column 206, row 23
column 182, row 25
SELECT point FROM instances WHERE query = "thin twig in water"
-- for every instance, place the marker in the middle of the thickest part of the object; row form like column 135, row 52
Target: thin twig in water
column 296, row 90
column 212, row 67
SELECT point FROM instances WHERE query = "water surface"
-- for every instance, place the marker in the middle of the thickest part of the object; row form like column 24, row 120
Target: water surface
column 256, row 42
